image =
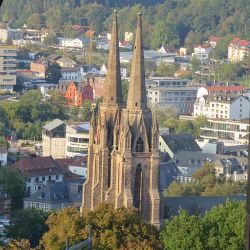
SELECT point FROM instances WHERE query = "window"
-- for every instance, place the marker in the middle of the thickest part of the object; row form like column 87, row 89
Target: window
column 49, row 178
column 37, row 205
column 43, row 178
column 139, row 145
column 138, row 187
column 57, row 177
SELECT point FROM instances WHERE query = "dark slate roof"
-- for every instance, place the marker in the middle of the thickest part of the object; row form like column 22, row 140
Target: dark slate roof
column 181, row 142
column 58, row 192
column 53, row 192
column 195, row 204
column 167, row 172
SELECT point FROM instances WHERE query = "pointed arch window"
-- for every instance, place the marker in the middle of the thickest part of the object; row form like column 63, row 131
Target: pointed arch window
column 138, row 187
column 139, row 147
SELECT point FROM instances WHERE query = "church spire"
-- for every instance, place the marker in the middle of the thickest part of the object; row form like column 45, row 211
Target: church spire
column 113, row 79
column 137, row 99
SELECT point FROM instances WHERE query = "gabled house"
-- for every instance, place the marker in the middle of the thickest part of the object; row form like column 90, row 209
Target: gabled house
column 70, row 73
column 172, row 144
column 202, row 51
column 56, row 195
column 76, row 93
column 213, row 41
column 125, row 44
column 66, row 62
column 168, row 49
column 237, row 49
column 89, row 69
column 39, row 171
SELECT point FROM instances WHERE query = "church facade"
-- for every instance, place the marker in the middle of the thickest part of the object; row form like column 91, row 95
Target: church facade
column 123, row 162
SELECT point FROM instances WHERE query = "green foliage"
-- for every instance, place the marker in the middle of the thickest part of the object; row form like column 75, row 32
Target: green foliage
column 112, row 229
column 221, row 228
column 27, row 116
column 164, row 69
column 35, row 21
column 14, row 184
column 164, row 21
column 53, row 73
column 195, row 63
column 205, row 183
column 3, row 142
column 125, row 85
column 27, row 224
column 229, row 71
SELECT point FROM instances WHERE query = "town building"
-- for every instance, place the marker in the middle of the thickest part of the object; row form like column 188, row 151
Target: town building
column 3, row 155
column 213, row 41
column 70, row 73
column 10, row 34
column 78, row 92
column 168, row 49
column 128, row 36
column 167, row 82
column 231, row 132
column 222, row 106
column 7, row 68
column 123, row 151
column 98, row 84
column 180, row 99
column 171, row 144
column 66, row 62
column 71, row 43
column 55, row 195
column 39, row 171
column 237, row 49
column 210, row 146
column 54, row 139
column 221, row 89
column 202, row 52
column 182, row 166
column 77, row 139
column 40, row 66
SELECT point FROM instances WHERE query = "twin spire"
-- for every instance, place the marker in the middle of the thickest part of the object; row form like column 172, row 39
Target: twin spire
column 137, row 99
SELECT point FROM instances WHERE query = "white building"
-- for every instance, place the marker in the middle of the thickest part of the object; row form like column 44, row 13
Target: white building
column 70, row 73
column 231, row 132
column 181, row 99
column 202, row 52
column 222, row 106
column 39, row 171
column 237, row 49
column 10, row 34
column 210, row 146
column 168, row 50
column 71, row 43
column 3, row 155
column 7, row 68
column 128, row 36
column 77, row 139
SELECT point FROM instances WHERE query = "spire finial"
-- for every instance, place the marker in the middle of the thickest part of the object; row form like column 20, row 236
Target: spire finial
column 113, row 79
column 137, row 99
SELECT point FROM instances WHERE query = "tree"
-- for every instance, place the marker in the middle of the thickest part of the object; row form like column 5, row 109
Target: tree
column 150, row 66
column 35, row 21
column 27, row 224
column 50, row 39
column 195, row 63
column 164, row 69
column 86, row 111
column 112, row 229
column 221, row 228
column 14, row 184
column 53, row 73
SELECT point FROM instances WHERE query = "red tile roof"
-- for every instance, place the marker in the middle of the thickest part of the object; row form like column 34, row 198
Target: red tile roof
column 225, row 88
column 39, row 166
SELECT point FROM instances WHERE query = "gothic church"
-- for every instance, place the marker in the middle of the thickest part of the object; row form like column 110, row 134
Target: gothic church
column 123, row 162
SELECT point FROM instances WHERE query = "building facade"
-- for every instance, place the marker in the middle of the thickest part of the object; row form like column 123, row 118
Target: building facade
column 237, row 49
column 77, row 139
column 7, row 68
column 123, row 157
column 230, row 132
column 223, row 107
column 54, row 139
column 181, row 99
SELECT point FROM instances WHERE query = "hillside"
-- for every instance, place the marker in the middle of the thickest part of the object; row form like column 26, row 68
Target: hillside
column 172, row 21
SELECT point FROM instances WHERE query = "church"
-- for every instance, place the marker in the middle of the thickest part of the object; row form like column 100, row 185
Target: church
column 123, row 162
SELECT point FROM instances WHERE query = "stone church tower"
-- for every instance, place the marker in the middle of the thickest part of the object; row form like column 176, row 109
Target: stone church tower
column 123, row 162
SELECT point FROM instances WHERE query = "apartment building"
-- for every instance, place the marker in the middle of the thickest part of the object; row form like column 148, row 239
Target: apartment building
column 180, row 99
column 222, row 106
column 231, row 132
column 77, row 139
column 10, row 34
column 7, row 68
column 54, row 139
column 221, row 89
column 167, row 81
column 202, row 51
column 237, row 49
